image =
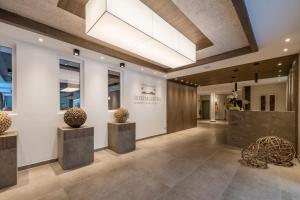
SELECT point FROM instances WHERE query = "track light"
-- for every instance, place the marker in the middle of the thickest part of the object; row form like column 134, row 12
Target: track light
column 76, row 52
column 122, row 65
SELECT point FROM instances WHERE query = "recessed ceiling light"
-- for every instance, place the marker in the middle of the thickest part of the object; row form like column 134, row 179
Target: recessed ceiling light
column 279, row 75
column 102, row 58
column 41, row 40
column 279, row 64
column 187, row 82
column 287, row 40
column 279, row 70
column 142, row 69
column 285, row 49
column 181, row 80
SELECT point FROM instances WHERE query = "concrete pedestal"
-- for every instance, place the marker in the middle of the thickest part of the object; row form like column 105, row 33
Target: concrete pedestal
column 75, row 146
column 121, row 137
column 8, row 159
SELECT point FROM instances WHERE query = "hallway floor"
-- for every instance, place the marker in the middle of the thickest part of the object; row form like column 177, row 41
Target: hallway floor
column 189, row 165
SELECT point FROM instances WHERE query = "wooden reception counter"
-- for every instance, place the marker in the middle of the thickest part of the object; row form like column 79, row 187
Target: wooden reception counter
column 245, row 127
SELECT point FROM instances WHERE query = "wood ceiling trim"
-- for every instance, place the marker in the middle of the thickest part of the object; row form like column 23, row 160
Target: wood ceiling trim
column 245, row 72
column 168, row 10
column 242, row 13
column 75, row 7
column 31, row 25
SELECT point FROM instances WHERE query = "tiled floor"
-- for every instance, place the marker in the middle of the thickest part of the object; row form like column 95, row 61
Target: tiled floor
column 190, row 165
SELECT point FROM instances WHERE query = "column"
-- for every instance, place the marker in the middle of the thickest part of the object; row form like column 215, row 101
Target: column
column 212, row 107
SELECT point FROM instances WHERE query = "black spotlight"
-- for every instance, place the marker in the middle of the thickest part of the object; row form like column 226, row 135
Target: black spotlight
column 76, row 52
column 122, row 65
column 235, row 86
column 256, row 77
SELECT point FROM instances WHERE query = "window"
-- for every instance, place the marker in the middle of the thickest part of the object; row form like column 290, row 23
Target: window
column 69, row 84
column 114, row 90
column 6, row 60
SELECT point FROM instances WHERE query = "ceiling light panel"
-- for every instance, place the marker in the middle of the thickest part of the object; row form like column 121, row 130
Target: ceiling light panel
column 132, row 26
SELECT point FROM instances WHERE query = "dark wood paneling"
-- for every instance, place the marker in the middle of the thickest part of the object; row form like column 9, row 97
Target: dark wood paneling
column 181, row 107
column 167, row 10
column 293, row 100
column 31, row 25
column 265, row 69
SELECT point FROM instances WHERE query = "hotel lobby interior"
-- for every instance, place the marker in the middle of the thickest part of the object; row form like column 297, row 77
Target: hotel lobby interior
column 149, row 100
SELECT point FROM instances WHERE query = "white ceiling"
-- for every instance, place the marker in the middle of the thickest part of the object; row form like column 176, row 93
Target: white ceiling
column 272, row 21
column 217, row 19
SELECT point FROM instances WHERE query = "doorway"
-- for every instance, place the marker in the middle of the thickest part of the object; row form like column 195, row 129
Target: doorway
column 205, row 109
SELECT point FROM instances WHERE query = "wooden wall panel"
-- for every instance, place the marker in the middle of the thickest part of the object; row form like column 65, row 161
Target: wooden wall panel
column 181, row 107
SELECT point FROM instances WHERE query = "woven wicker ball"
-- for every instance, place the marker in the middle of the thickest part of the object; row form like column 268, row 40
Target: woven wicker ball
column 254, row 156
column 121, row 115
column 5, row 122
column 280, row 151
column 75, row 117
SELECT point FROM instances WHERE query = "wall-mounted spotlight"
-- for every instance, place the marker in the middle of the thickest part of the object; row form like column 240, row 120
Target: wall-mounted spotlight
column 122, row 65
column 76, row 52
column 235, row 86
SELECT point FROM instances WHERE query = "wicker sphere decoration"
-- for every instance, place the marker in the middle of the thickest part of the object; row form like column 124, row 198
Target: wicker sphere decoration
column 280, row 151
column 75, row 117
column 5, row 122
column 254, row 156
column 121, row 115
column 270, row 149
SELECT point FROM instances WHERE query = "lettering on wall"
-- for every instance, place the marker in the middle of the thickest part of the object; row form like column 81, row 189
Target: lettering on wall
column 147, row 94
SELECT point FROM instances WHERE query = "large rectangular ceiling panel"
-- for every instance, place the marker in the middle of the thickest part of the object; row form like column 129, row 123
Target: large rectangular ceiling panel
column 132, row 26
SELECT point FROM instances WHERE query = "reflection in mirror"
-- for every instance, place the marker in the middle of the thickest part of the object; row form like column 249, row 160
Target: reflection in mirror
column 114, row 85
column 5, row 78
column 69, row 73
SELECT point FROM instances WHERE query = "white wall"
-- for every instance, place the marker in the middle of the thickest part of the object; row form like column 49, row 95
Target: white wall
column 37, row 114
column 279, row 89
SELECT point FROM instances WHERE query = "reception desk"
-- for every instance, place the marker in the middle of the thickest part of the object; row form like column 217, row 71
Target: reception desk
column 245, row 127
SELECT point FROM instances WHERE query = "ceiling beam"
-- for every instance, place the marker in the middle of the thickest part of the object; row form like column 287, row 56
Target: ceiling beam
column 243, row 15
column 37, row 27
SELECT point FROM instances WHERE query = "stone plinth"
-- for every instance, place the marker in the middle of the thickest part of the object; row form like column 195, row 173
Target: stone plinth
column 245, row 127
column 8, row 159
column 75, row 146
column 121, row 137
